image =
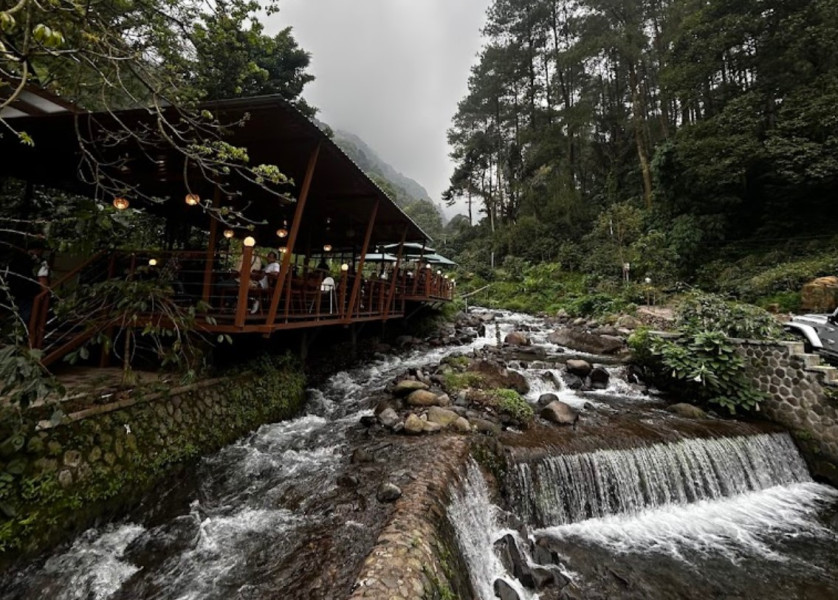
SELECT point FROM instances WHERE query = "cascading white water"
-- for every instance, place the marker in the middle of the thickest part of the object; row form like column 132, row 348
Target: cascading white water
column 475, row 521
column 563, row 489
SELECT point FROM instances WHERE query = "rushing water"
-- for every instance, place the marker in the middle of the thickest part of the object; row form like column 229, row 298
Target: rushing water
column 648, row 511
column 248, row 523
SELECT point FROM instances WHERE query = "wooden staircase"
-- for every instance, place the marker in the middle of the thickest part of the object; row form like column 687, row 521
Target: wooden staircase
column 57, row 337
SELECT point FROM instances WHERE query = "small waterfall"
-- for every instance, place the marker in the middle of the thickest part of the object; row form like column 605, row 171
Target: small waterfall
column 557, row 490
column 475, row 520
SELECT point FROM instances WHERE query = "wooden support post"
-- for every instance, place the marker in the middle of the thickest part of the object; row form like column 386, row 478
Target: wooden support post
column 392, row 292
column 244, row 285
column 360, row 270
column 292, row 237
column 213, row 242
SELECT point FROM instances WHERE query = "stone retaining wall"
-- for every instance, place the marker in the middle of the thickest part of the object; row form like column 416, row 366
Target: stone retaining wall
column 56, row 478
column 803, row 396
column 416, row 556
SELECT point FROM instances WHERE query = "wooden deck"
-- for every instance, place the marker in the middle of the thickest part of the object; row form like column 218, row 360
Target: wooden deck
column 228, row 302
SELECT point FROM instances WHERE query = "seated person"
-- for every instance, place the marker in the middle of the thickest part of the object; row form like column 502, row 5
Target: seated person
column 271, row 270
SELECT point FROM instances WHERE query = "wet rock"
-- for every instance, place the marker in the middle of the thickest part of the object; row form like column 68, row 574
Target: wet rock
column 368, row 420
column 359, row 455
column 499, row 376
column 431, row 427
column 599, row 378
column 542, row 554
column 461, row 425
column 586, row 342
column 683, row 409
column 485, row 426
column 413, row 424
column 504, row 591
column 406, row 386
column 579, row 367
column 348, row 480
column 178, row 535
column 516, row 338
column 388, row 417
column 545, row 399
column 559, row 412
column 388, row 492
column 574, row 382
column 423, row 398
column 442, row 416
column 443, row 400
column 514, row 560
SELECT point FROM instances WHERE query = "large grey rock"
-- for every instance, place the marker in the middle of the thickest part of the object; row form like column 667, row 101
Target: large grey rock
column 629, row 322
column 442, row 416
column 406, row 386
column 504, row 591
column 388, row 492
column 559, row 412
column 545, row 399
column 579, row 367
column 683, row 409
column 583, row 341
column 485, row 426
column 422, row 398
column 516, row 338
column 498, row 376
column 413, row 424
column 388, row 417
column 599, row 378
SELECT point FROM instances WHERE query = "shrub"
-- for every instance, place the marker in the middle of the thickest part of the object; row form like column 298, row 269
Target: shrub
column 513, row 404
column 710, row 312
column 702, row 365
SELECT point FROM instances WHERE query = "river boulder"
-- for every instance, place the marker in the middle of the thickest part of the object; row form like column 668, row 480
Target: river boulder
column 388, row 492
column 516, row 338
column 422, row 398
column 442, row 416
column 498, row 376
column 545, row 399
column 413, row 425
column 599, row 378
column 406, row 386
column 581, row 340
column 388, row 417
column 504, row 591
column 684, row 409
column 560, row 413
column 578, row 367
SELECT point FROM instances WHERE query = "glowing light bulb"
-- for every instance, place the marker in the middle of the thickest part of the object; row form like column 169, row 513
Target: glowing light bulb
column 192, row 199
column 249, row 241
column 121, row 203
column 228, row 233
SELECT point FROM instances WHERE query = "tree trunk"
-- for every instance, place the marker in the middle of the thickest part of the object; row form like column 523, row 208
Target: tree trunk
column 637, row 111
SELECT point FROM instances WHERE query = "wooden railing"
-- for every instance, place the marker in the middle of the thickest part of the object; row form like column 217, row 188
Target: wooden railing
column 308, row 297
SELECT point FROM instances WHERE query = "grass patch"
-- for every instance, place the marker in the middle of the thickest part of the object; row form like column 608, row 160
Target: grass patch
column 454, row 382
column 513, row 404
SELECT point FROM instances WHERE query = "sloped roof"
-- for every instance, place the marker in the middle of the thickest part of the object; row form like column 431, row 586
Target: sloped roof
column 273, row 132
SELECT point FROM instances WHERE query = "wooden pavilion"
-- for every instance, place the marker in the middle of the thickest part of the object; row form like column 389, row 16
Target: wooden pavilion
column 328, row 212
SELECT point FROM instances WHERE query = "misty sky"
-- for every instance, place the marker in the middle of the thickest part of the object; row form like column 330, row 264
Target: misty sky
column 391, row 72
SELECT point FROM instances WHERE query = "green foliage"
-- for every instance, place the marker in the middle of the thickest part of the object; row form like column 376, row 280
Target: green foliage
column 709, row 312
column 702, row 365
column 454, row 381
column 511, row 403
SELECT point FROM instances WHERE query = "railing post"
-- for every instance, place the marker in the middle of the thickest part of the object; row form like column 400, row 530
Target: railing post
column 244, row 285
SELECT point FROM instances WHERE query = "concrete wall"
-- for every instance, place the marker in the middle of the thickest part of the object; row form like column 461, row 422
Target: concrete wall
column 803, row 396
column 56, row 478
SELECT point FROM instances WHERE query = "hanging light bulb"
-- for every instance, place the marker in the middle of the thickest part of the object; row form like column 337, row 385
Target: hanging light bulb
column 228, row 233
column 283, row 249
column 283, row 231
column 121, row 203
column 192, row 199
column 344, row 267
column 327, row 247
column 249, row 241
column 152, row 262
column 439, row 272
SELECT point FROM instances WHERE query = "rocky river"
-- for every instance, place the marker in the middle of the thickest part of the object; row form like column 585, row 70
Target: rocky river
column 603, row 494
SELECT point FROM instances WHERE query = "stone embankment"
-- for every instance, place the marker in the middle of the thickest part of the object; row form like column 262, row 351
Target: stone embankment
column 802, row 396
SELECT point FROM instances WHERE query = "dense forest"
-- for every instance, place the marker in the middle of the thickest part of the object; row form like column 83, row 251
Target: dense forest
column 688, row 138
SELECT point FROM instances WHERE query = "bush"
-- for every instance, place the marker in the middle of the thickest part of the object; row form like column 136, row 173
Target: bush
column 710, row 312
column 513, row 404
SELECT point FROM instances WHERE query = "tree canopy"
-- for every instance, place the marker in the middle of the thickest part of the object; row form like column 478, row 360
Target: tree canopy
column 715, row 118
